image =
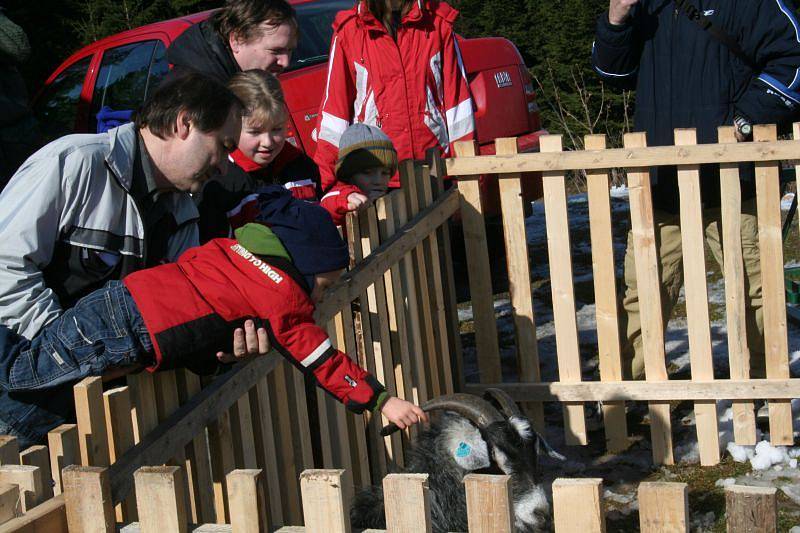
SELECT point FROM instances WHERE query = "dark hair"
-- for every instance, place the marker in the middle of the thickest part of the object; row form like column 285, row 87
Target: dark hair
column 206, row 102
column 244, row 18
column 382, row 10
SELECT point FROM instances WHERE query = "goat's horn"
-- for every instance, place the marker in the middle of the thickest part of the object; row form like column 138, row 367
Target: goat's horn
column 473, row 408
column 508, row 406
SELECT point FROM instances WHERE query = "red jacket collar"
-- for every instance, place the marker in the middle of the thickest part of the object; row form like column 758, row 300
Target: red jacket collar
column 288, row 154
column 418, row 9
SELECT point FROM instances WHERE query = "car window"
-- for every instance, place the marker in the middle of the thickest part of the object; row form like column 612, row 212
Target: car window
column 314, row 20
column 57, row 108
column 127, row 73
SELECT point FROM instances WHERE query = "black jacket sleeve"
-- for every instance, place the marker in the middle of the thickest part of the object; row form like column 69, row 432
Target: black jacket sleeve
column 616, row 51
column 771, row 36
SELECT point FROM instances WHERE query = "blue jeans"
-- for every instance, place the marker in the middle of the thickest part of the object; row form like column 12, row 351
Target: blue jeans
column 103, row 330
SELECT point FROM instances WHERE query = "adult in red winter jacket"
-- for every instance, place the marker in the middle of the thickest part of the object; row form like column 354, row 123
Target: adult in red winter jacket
column 395, row 64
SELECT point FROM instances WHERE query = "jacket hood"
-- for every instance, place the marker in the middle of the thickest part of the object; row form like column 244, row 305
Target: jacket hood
column 420, row 10
column 202, row 49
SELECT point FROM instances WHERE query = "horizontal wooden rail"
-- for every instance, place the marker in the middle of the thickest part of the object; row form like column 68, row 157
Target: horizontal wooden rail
column 609, row 391
column 472, row 167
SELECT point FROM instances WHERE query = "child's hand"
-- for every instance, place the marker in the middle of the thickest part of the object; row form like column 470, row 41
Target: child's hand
column 355, row 200
column 402, row 413
column 247, row 342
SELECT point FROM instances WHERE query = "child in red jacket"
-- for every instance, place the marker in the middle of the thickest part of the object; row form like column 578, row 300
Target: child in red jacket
column 183, row 314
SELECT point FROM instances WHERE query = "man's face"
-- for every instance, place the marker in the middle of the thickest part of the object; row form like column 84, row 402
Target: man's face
column 270, row 51
column 196, row 156
column 262, row 142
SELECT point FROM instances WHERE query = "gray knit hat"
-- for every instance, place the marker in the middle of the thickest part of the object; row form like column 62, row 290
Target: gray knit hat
column 362, row 147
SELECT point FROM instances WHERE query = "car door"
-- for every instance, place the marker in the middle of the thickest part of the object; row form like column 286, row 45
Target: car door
column 127, row 74
column 58, row 107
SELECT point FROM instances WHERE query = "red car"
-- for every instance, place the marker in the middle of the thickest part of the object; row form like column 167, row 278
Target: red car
column 117, row 72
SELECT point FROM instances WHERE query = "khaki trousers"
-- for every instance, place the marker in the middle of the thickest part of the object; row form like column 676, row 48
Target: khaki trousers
column 670, row 253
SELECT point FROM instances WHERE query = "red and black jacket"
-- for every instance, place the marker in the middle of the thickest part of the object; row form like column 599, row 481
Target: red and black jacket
column 191, row 308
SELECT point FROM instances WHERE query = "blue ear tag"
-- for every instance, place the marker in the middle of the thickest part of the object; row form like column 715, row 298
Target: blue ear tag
column 463, row 450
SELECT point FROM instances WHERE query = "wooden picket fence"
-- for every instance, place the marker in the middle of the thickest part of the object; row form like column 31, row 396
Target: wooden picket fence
column 658, row 390
column 326, row 496
column 394, row 311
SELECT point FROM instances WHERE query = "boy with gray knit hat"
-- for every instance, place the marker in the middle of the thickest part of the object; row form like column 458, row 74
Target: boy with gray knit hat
column 367, row 161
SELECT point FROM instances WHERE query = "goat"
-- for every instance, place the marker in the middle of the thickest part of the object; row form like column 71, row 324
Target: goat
column 471, row 436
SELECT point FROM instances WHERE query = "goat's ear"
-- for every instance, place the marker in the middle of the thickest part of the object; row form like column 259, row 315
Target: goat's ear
column 541, row 443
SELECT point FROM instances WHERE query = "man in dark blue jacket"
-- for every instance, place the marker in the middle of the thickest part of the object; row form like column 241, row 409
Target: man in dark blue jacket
column 686, row 78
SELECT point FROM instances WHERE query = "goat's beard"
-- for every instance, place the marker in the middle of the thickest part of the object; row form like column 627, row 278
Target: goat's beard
column 532, row 511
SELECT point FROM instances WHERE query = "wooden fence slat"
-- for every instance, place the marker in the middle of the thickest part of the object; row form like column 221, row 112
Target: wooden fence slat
column 694, row 274
column 648, row 286
column 559, row 251
column 430, row 368
column 161, row 499
column 605, row 295
column 39, row 457
column 519, row 280
column 366, row 347
column 143, row 397
column 243, row 435
column 379, row 322
column 87, row 495
column 91, row 422
column 9, row 450
column 64, row 451
column 197, row 453
column 751, row 509
column 326, row 500
column 588, row 494
column 49, row 516
column 663, row 507
column 222, row 462
column 9, row 502
column 279, row 397
column 628, row 157
column 407, row 503
column 246, row 501
column 796, row 137
column 438, row 172
column 489, row 504
column 744, row 418
column 770, row 240
column 344, row 442
column 394, row 303
column 29, row 479
column 480, row 280
column 408, row 283
column 433, row 263
column 267, row 454
column 119, row 426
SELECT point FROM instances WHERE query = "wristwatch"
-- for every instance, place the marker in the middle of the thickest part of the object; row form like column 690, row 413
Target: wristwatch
column 743, row 125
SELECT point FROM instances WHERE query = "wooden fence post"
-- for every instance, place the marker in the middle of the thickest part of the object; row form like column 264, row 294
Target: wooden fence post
column 605, row 293
column 519, row 279
column 694, row 274
column 9, row 450
column 744, row 418
column 87, row 495
column 246, row 501
column 326, row 500
column 39, row 456
column 119, row 426
column 91, row 422
column 480, row 279
column 586, row 494
column 663, row 507
column 489, row 505
column 161, row 499
column 649, row 290
column 560, row 253
column 770, row 240
column 29, row 479
column 64, row 451
column 407, row 503
column 751, row 509
column 9, row 502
